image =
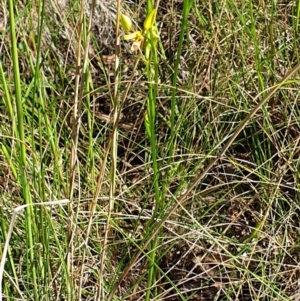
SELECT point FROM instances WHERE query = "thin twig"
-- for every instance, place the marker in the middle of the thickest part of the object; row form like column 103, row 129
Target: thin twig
column 81, row 95
column 73, row 161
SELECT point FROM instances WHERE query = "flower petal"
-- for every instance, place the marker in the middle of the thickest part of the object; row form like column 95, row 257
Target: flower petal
column 133, row 36
column 136, row 46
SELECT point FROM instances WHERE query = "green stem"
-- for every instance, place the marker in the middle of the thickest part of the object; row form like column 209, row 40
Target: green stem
column 151, row 112
column 187, row 4
column 22, row 154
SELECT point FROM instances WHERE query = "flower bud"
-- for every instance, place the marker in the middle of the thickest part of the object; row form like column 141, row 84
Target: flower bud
column 150, row 20
column 147, row 51
column 125, row 22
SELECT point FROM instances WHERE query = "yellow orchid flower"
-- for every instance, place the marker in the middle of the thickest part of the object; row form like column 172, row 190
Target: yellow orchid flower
column 138, row 37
